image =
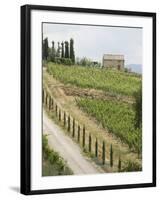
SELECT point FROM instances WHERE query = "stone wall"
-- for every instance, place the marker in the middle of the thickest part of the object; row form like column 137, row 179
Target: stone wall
column 118, row 64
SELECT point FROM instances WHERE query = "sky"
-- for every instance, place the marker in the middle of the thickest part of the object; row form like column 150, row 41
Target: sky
column 94, row 41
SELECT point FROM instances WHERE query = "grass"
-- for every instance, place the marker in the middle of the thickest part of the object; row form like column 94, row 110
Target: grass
column 53, row 164
column 115, row 116
column 112, row 81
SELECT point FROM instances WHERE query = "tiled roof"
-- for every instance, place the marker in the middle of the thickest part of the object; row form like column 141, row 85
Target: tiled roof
column 113, row 57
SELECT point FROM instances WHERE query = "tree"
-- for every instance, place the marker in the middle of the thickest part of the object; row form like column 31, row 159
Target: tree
column 66, row 55
column 72, row 55
column 58, row 50
column 53, row 52
column 62, row 52
column 111, row 156
column 138, row 108
column 45, row 50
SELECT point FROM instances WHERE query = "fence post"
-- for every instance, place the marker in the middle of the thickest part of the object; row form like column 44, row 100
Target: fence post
column 68, row 123
column 111, row 156
column 84, row 135
column 96, row 148
column 103, row 152
column 90, row 143
column 79, row 129
column 73, row 133
column 59, row 114
column 64, row 118
column 119, row 164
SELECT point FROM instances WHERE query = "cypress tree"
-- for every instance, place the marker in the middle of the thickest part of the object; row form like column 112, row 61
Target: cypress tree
column 72, row 55
column 58, row 50
column 111, row 156
column 62, row 53
column 96, row 148
column 45, row 49
column 66, row 55
column 53, row 52
column 103, row 152
column 119, row 164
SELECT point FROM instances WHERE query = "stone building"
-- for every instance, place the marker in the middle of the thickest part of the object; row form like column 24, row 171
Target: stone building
column 113, row 61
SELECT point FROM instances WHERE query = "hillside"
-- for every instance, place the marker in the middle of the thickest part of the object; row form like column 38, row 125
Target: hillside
column 112, row 81
column 102, row 101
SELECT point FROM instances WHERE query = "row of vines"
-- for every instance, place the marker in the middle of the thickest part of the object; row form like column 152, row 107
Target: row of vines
column 92, row 146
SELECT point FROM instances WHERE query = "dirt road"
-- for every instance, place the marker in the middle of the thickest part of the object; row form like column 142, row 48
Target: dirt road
column 68, row 149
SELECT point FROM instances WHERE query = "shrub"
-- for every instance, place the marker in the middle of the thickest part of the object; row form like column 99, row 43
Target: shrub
column 131, row 167
column 67, row 61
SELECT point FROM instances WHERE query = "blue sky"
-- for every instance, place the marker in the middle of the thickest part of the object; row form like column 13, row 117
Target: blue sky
column 94, row 41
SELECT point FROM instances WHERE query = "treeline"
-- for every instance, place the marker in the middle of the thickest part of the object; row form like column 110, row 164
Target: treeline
column 63, row 54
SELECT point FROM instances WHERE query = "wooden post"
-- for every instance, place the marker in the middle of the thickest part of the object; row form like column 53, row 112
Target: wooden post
column 68, row 123
column 79, row 129
column 96, row 148
column 90, row 143
column 119, row 164
column 64, row 119
column 59, row 114
column 111, row 156
column 103, row 152
column 84, row 135
column 73, row 133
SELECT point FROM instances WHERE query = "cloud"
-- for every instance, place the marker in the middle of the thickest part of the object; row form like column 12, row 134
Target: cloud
column 94, row 41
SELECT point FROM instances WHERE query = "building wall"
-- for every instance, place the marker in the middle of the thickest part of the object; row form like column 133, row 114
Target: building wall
column 118, row 64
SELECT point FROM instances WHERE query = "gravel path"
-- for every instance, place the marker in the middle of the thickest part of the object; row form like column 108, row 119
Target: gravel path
column 69, row 150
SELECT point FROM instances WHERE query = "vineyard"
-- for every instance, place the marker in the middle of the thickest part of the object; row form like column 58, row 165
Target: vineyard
column 96, row 107
column 112, row 81
column 115, row 116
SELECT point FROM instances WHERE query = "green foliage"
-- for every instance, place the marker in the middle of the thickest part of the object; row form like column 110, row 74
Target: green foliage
column 65, row 61
column 52, row 53
column 138, row 108
column 63, row 54
column 130, row 166
column 115, row 116
column 119, row 164
column 87, row 62
column 53, row 157
column 112, row 81
column 66, row 54
column 45, row 49
column 62, row 47
column 126, row 69
column 111, row 156
column 58, row 51
column 72, row 55
column 44, row 143
column 53, row 164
